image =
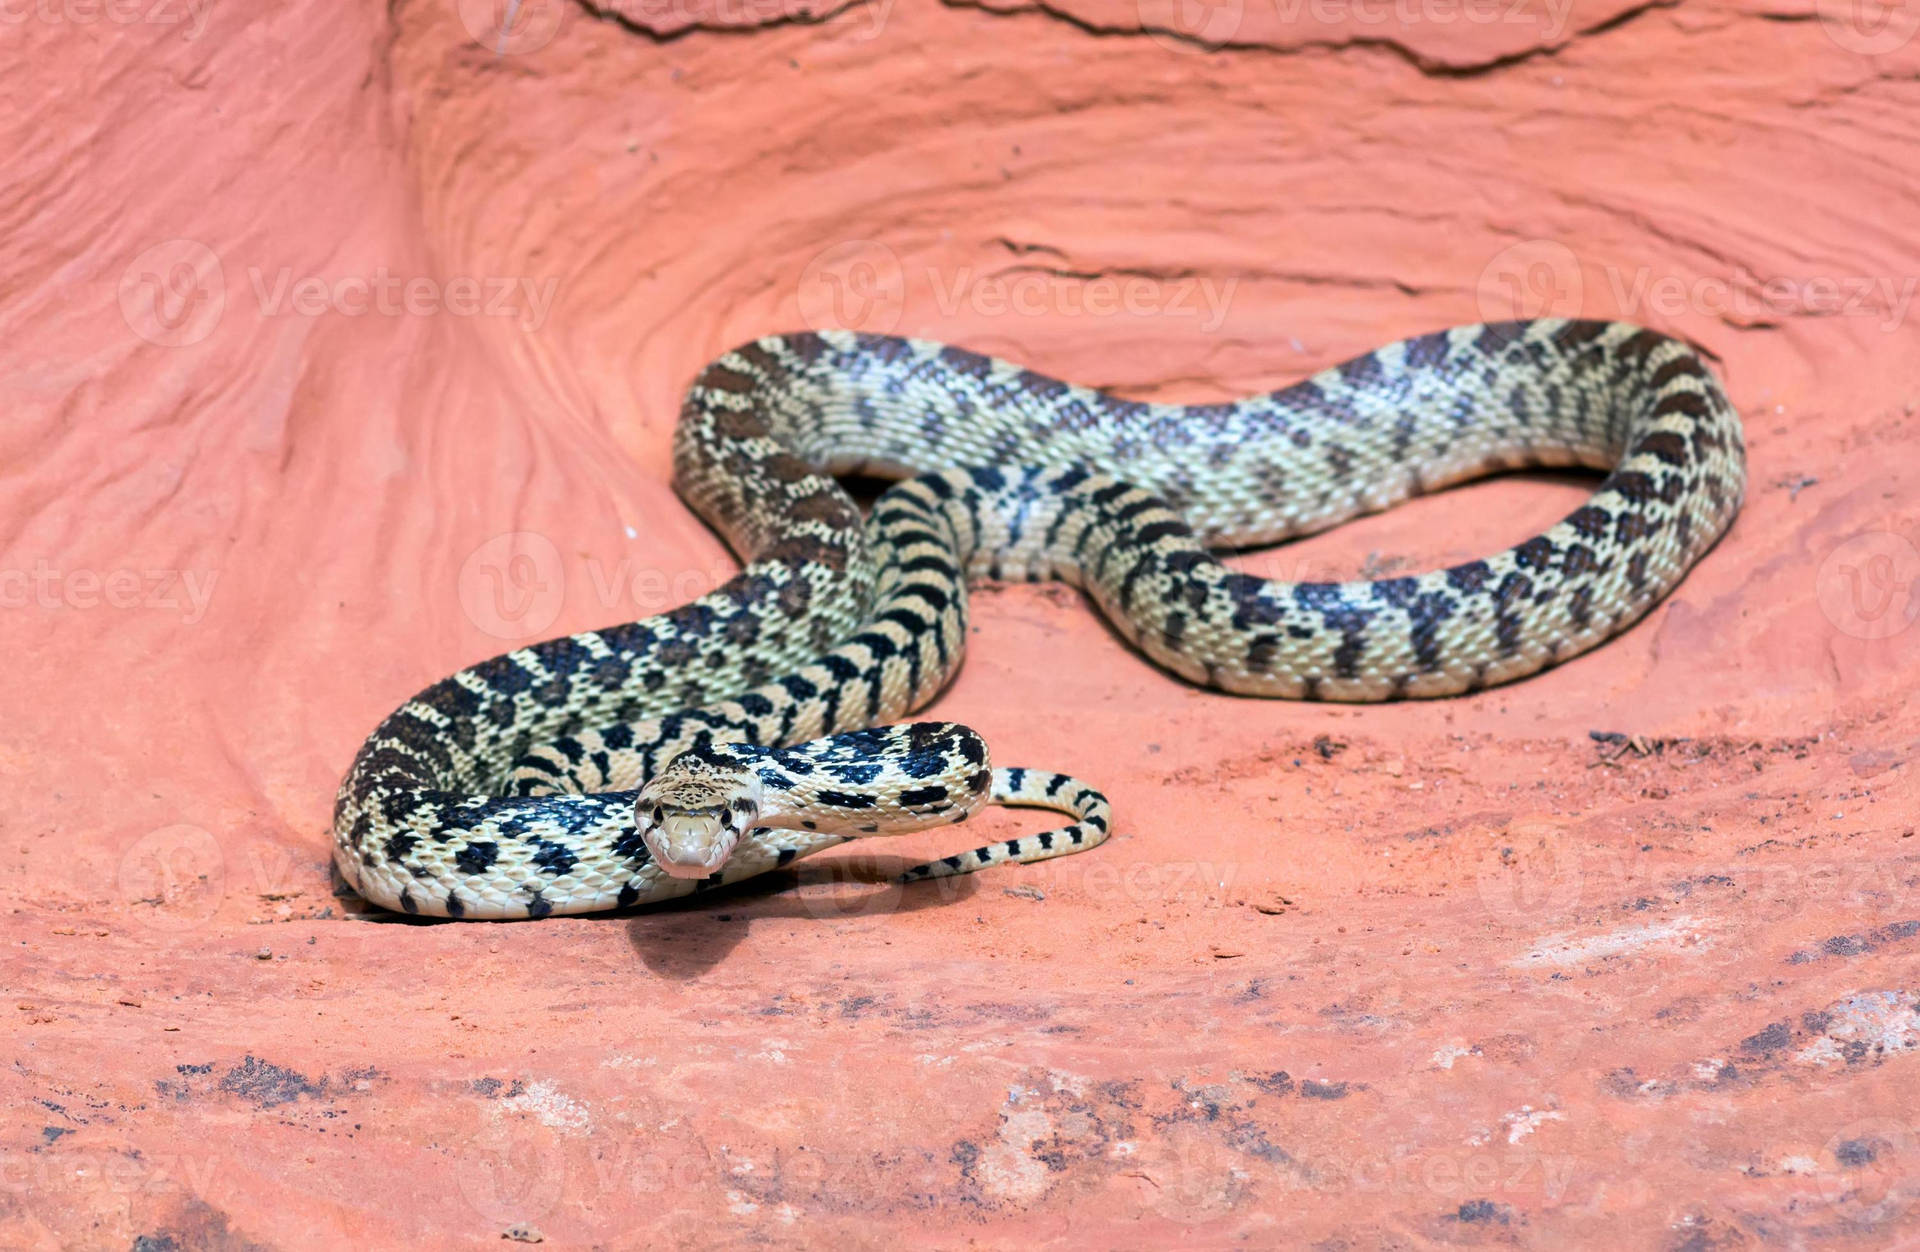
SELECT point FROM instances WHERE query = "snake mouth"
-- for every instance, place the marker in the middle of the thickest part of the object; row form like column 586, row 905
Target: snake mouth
column 690, row 843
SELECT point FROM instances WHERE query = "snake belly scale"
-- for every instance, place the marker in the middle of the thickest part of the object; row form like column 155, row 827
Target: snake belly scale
column 529, row 784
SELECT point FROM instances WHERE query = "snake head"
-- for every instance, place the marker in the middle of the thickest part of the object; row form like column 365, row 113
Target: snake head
column 693, row 812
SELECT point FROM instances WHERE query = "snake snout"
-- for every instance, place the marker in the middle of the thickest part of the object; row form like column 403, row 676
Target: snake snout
column 689, row 843
column 693, row 842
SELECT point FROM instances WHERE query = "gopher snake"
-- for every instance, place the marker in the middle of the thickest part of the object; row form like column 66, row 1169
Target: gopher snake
column 509, row 789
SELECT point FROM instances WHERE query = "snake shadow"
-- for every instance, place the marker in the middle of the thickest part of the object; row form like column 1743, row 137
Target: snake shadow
column 687, row 938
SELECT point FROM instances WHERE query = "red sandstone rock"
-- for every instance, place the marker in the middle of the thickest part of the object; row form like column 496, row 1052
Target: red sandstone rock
column 1428, row 973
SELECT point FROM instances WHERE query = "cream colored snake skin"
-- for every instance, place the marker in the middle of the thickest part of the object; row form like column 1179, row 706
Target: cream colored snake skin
column 514, row 788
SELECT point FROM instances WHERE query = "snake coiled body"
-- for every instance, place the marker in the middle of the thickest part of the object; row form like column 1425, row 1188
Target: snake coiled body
column 509, row 789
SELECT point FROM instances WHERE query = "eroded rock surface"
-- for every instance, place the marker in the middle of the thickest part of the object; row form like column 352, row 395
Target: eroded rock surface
column 342, row 345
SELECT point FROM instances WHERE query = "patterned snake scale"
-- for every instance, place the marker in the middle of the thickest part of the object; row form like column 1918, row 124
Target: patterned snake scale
column 514, row 788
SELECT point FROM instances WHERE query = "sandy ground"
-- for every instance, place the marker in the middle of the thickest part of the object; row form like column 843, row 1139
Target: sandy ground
column 341, row 348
